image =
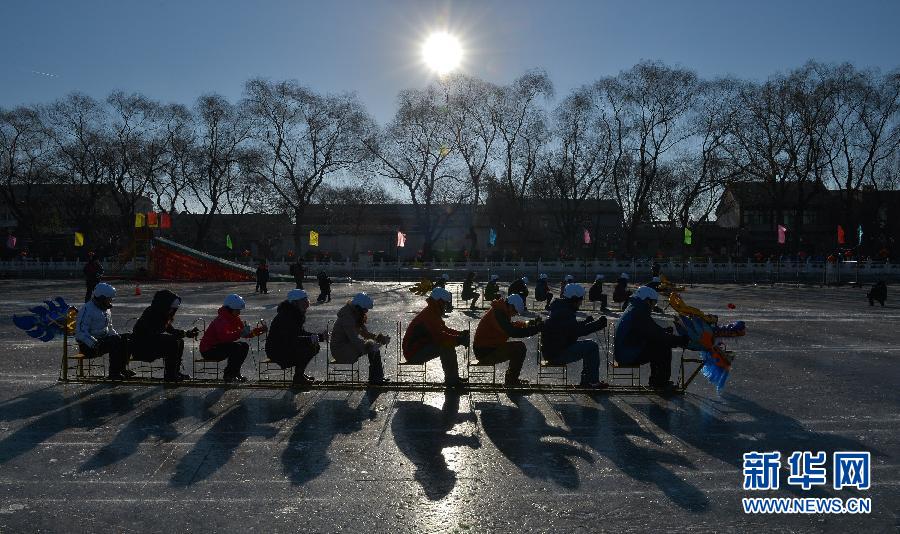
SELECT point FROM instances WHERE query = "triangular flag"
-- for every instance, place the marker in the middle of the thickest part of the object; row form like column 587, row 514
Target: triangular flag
column 688, row 236
column 840, row 235
column 401, row 239
column 228, row 242
column 152, row 219
column 492, row 237
column 587, row 237
column 860, row 234
column 782, row 234
column 165, row 220
column 139, row 220
column 313, row 238
column 79, row 239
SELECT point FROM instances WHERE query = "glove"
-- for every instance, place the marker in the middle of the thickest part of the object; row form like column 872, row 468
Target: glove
column 314, row 338
column 245, row 331
column 192, row 333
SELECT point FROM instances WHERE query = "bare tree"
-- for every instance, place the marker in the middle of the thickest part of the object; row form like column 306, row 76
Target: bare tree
column 648, row 106
column 307, row 137
column 349, row 206
column 221, row 148
column 412, row 152
column 24, row 156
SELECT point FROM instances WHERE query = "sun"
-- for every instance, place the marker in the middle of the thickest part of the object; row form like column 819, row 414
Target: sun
column 442, row 52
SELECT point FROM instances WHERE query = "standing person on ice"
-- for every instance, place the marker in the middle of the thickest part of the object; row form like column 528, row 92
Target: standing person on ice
column 262, row 277
column 95, row 333
column 154, row 337
column 350, row 339
column 324, row 287
column 877, row 293
column 298, row 272
column 288, row 343
column 220, row 341
column 93, row 273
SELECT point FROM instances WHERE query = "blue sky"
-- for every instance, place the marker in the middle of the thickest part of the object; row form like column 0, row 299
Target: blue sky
column 177, row 50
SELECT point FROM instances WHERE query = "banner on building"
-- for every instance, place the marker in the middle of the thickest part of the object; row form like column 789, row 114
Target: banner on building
column 492, row 237
column 782, row 234
column 139, row 220
column 840, row 235
column 401, row 239
column 165, row 220
column 587, row 237
column 228, row 242
column 688, row 236
column 152, row 219
column 313, row 238
column 79, row 239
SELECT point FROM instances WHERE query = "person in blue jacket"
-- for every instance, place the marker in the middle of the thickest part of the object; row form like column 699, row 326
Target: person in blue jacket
column 640, row 340
column 559, row 338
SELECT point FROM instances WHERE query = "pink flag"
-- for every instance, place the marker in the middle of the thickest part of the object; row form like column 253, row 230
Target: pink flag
column 11, row 242
column 587, row 237
column 782, row 234
column 401, row 239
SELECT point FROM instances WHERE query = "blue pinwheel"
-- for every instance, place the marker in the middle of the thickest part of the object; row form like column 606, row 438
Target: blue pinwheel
column 47, row 321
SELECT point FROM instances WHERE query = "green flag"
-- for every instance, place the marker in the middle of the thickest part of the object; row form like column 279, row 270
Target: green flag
column 228, row 242
column 688, row 236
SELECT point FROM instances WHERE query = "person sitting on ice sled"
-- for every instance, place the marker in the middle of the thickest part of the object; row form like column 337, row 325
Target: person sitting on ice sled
column 288, row 343
column 350, row 339
column 95, row 333
column 621, row 294
column 492, row 289
column 427, row 338
column 640, row 340
column 542, row 291
column 154, row 337
column 469, row 290
column 492, row 346
column 220, row 341
column 559, row 337
column 520, row 287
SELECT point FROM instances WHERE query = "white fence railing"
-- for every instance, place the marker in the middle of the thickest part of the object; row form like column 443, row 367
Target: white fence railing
column 584, row 271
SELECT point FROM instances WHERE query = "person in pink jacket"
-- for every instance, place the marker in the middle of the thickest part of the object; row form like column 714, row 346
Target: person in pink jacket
column 221, row 339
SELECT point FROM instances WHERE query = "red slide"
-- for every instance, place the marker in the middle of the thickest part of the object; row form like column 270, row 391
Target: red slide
column 176, row 262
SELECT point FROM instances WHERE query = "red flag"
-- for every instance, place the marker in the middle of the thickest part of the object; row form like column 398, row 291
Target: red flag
column 840, row 235
column 152, row 219
column 782, row 234
column 587, row 237
column 165, row 220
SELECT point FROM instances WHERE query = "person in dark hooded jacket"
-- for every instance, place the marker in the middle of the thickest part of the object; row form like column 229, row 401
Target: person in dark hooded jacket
column 262, row 277
column 298, row 272
column 154, row 337
column 469, row 290
column 595, row 294
column 542, row 291
column 621, row 294
column 324, row 287
column 288, row 343
column 559, row 338
column 640, row 340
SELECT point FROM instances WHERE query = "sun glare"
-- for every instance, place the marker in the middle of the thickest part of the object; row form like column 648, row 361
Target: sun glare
column 442, row 52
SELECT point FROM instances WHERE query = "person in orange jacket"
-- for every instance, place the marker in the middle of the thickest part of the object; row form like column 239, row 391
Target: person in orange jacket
column 220, row 341
column 492, row 345
column 427, row 338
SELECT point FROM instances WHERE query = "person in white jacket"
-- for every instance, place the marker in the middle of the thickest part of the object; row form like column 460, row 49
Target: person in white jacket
column 95, row 333
column 350, row 339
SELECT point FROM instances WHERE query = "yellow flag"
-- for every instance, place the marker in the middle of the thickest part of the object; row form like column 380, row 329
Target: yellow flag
column 138, row 220
column 444, row 150
column 313, row 238
column 79, row 239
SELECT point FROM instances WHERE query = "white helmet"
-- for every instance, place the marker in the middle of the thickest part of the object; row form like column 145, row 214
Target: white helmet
column 543, row 276
column 439, row 293
column 598, row 277
column 234, row 302
column 104, row 290
column 525, row 279
column 363, row 301
column 624, row 275
column 569, row 278
column 445, row 276
column 644, row 293
column 297, row 294
column 516, row 302
column 573, row 291
column 495, row 277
